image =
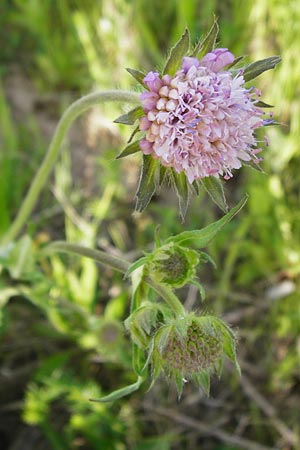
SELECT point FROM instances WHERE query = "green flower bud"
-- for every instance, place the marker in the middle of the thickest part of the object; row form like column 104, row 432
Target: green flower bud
column 174, row 265
column 192, row 348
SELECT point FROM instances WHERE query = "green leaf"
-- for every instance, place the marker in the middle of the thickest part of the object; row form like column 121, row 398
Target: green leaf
column 148, row 182
column 131, row 116
column 214, row 188
column 179, row 381
column 138, row 76
column 138, row 360
column 140, row 262
column 202, row 379
column 253, row 70
column 261, row 104
column 180, row 183
column 202, row 237
column 207, row 44
column 135, row 131
column 130, row 149
column 234, row 62
column 200, row 287
column 180, row 49
column 119, row 393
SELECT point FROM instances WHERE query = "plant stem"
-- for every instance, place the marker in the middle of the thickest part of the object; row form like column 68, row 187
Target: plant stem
column 41, row 177
column 116, row 263
column 120, row 265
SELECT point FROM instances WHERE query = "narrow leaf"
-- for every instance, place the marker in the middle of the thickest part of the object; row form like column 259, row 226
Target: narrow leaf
column 253, row 70
column 202, row 237
column 138, row 76
column 263, row 104
column 138, row 360
column 135, row 131
column 177, row 53
column 179, row 182
column 130, row 149
column 207, row 44
column 202, row 379
column 140, row 262
column 131, row 116
column 119, row 393
column 147, row 184
column 201, row 289
column 214, row 188
column 234, row 62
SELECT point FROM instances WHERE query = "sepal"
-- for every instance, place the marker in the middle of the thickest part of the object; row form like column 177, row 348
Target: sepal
column 258, row 67
column 130, row 117
column 214, row 188
column 207, row 44
column 177, row 52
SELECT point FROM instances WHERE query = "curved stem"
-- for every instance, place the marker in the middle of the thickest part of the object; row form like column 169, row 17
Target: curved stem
column 120, row 265
column 73, row 111
column 116, row 263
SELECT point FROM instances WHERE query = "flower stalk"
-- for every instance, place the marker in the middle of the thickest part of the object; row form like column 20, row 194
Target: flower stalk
column 74, row 110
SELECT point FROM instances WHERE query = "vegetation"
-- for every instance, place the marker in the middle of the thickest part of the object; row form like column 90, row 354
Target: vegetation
column 62, row 334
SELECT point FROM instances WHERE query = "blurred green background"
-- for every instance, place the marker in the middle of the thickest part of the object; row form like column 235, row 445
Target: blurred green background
column 62, row 338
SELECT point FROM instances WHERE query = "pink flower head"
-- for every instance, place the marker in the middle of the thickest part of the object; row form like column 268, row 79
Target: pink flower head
column 201, row 121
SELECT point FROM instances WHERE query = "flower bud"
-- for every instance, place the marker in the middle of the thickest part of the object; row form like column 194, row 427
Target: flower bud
column 174, row 265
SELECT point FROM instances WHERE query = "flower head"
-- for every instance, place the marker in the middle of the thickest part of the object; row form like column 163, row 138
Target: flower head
column 191, row 348
column 202, row 120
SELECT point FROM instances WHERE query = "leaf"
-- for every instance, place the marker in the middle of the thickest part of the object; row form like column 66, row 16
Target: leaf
column 138, row 76
column 214, row 188
column 140, row 262
column 130, row 149
column 253, row 70
column 147, row 184
column 179, row 381
column 234, row 62
column 200, row 287
column 138, row 360
column 179, row 182
column 119, row 393
column 131, row 116
column 207, row 44
column 261, row 104
column 179, row 50
column 135, row 131
column 202, row 379
column 202, row 237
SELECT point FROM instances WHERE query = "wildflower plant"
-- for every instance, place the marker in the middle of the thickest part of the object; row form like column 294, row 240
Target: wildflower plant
column 194, row 124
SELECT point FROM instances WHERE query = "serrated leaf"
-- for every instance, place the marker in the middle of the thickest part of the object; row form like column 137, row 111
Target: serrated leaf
column 263, row 105
column 130, row 149
column 148, row 182
column 119, row 393
column 202, row 379
column 180, row 184
column 207, row 44
column 130, row 117
column 138, row 76
column 253, row 70
column 214, row 188
column 179, row 50
column 201, row 238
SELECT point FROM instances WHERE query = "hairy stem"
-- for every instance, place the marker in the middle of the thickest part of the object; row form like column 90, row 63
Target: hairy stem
column 41, row 177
